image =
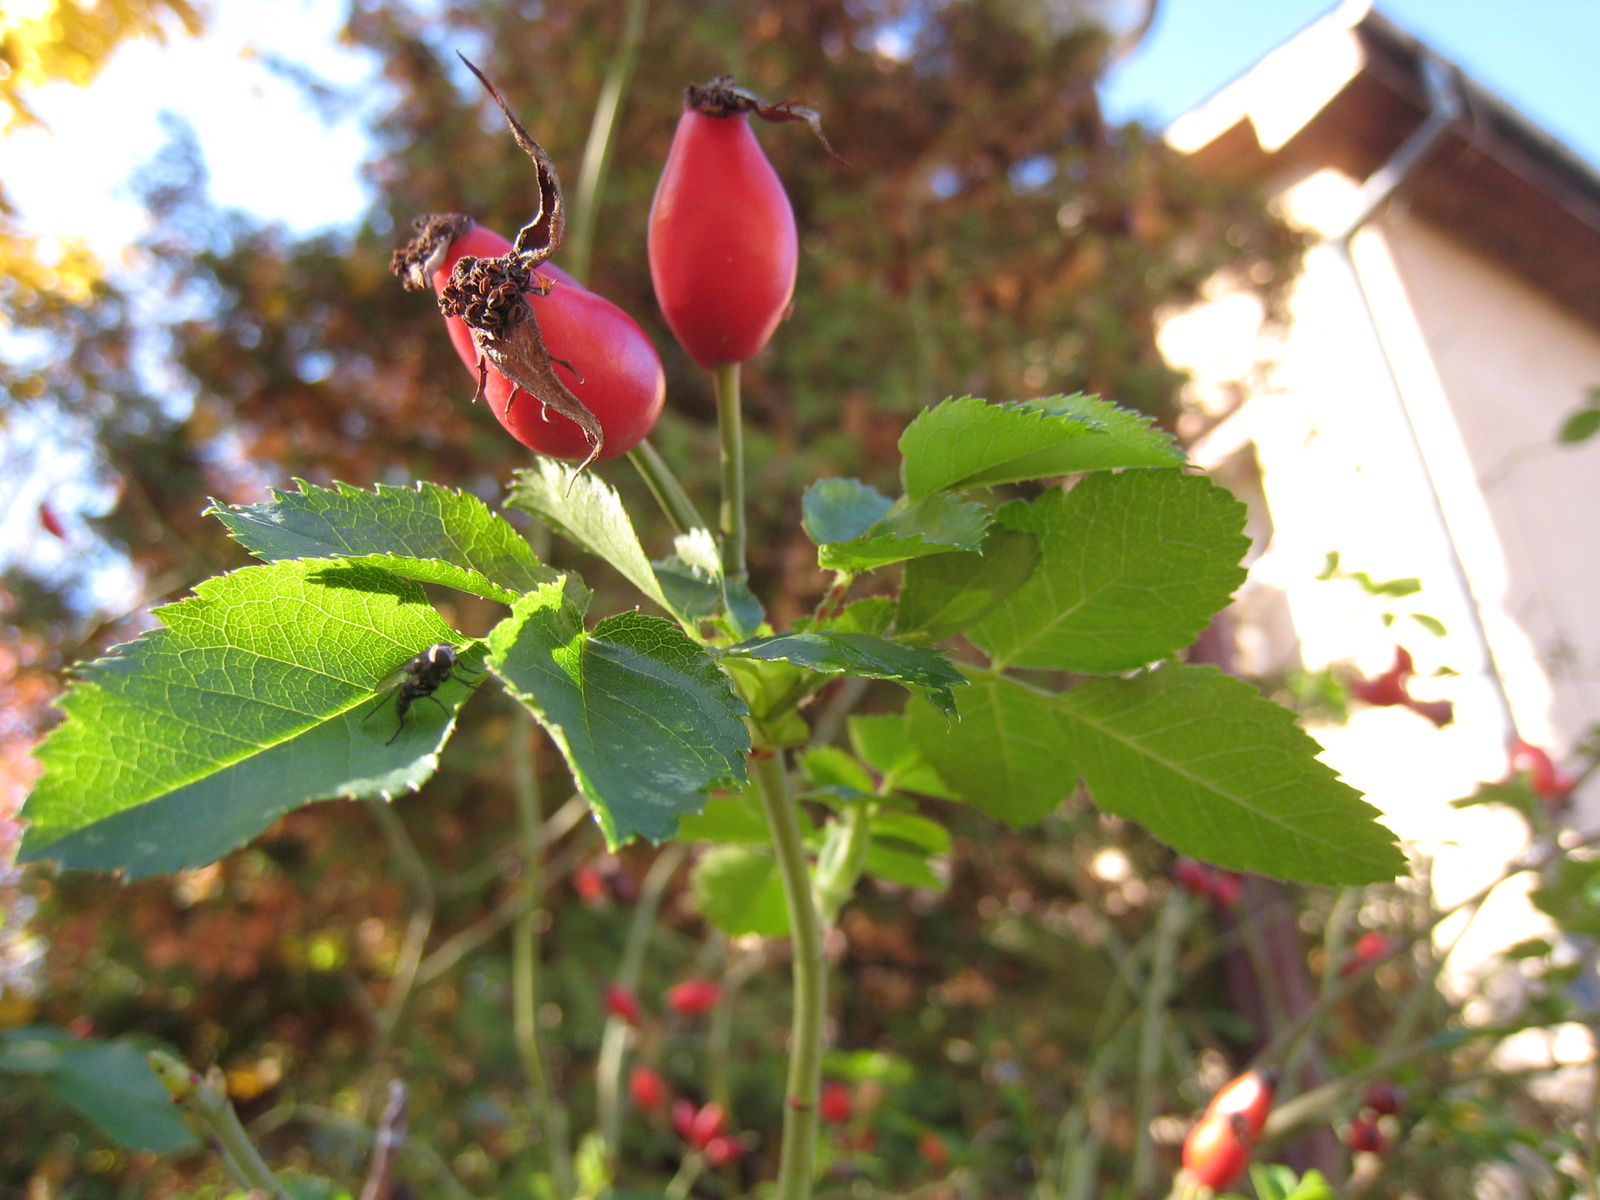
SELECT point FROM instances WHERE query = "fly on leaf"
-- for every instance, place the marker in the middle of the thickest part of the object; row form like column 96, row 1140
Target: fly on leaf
column 418, row 679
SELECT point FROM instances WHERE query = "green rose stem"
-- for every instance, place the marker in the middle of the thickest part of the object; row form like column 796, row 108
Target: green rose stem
column 211, row 1109
column 810, row 981
column 614, row 1042
column 525, row 957
column 664, row 486
column 1175, row 915
column 730, row 424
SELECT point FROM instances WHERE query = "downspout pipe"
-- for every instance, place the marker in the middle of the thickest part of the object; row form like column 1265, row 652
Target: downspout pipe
column 1445, row 107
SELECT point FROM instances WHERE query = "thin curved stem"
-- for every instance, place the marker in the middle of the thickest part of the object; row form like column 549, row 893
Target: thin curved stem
column 614, row 1042
column 581, row 218
column 525, row 960
column 664, row 486
column 730, row 424
column 795, row 1163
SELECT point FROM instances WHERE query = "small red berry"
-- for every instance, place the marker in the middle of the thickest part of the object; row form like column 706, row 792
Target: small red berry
column 1217, row 1149
column 834, row 1105
column 1193, row 877
column 648, row 1089
column 1369, row 947
column 1547, row 782
column 683, row 1115
column 708, row 1124
column 622, row 1003
column 933, row 1150
column 589, row 884
column 1364, row 1136
column 51, row 522
column 1249, row 1095
column 1384, row 1098
column 720, row 1151
column 693, row 997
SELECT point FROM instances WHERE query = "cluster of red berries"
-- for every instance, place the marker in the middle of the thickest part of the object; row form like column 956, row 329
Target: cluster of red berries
column 689, row 999
column 1366, row 1134
column 1218, row 1148
column 1216, row 887
column 1391, row 690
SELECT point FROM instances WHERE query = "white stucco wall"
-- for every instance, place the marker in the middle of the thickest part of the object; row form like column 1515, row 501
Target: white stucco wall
column 1487, row 366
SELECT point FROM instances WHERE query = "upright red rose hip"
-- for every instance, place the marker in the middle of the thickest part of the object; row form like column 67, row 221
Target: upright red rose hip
column 722, row 243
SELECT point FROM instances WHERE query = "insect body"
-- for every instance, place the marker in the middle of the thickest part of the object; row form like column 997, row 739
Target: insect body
column 419, row 679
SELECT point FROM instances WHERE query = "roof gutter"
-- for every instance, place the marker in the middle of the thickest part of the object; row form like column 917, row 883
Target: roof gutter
column 1445, row 107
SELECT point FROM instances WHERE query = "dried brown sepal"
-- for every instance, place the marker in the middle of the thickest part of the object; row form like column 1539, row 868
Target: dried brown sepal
column 722, row 98
column 490, row 296
column 418, row 259
column 539, row 238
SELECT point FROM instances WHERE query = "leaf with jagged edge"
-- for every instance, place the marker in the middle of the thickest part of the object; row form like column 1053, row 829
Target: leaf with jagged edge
column 1132, row 567
column 970, row 443
column 423, row 532
column 856, row 528
column 1200, row 759
column 925, row 671
column 258, row 694
column 945, row 594
column 587, row 511
column 645, row 718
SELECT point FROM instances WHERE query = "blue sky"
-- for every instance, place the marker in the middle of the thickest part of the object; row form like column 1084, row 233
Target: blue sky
column 1542, row 56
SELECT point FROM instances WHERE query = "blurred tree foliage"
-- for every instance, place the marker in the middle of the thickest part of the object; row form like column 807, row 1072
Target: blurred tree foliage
column 992, row 234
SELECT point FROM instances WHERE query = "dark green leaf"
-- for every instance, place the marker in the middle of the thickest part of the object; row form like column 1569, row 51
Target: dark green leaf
column 740, row 891
column 1579, row 426
column 645, row 718
column 945, row 593
column 1202, row 760
column 970, row 443
column 1132, row 566
column 841, row 510
column 109, row 1082
column 586, row 511
column 925, row 671
column 258, row 695
column 934, row 525
column 424, row 532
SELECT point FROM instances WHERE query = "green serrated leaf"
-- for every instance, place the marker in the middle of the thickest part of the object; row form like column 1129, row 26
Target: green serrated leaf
column 1131, row 568
column 740, row 891
column 255, row 697
column 841, row 510
column 934, row 525
column 970, row 443
column 944, row 594
column 586, row 511
column 884, row 743
column 109, row 1082
column 644, row 716
column 926, row 672
column 423, row 532
column 1007, row 756
column 1201, row 759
